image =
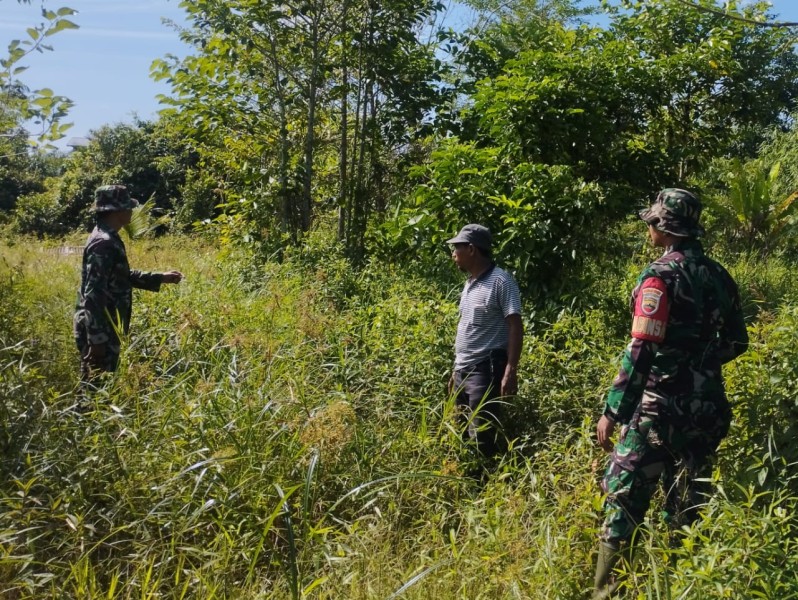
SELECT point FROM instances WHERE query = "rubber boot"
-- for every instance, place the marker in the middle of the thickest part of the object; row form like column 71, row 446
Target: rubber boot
column 605, row 584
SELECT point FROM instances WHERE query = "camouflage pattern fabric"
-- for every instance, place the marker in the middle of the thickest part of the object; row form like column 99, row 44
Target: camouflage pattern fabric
column 105, row 298
column 675, row 211
column 669, row 393
column 109, row 198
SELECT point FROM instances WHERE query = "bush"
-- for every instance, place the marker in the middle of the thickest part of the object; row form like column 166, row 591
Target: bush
column 537, row 213
column 40, row 214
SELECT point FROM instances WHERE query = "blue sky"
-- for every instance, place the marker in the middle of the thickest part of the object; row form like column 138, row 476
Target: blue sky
column 104, row 66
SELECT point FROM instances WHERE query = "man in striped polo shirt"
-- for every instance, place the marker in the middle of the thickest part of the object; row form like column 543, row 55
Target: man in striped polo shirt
column 489, row 337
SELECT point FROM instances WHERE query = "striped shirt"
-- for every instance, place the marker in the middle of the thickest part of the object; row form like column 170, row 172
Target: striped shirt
column 484, row 305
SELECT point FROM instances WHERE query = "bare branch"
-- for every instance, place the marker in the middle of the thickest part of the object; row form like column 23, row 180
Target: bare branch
column 737, row 17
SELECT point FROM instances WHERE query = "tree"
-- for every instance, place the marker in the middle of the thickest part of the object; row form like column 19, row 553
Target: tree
column 723, row 81
column 571, row 130
column 750, row 207
column 294, row 107
column 151, row 158
column 393, row 84
column 246, row 98
column 781, row 146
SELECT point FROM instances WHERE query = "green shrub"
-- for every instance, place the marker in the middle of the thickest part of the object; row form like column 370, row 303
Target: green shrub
column 537, row 212
column 40, row 213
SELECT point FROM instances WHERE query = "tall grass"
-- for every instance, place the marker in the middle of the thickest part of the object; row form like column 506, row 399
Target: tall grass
column 283, row 431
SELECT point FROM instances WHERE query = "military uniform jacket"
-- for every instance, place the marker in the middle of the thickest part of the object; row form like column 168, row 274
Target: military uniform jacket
column 687, row 322
column 105, row 297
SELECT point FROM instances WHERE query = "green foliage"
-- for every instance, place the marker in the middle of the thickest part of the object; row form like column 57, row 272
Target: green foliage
column 766, row 384
column 751, row 197
column 42, row 108
column 718, row 81
column 538, row 212
column 150, row 158
column 565, row 135
column 646, row 103
column 747, row 208
column 574, row 100
column 299, row 109
column 197, row 201
column 141, row 221
column 40, row 213
column 22, row 170
column 755, row 530
column 781, row 147
column 283, row 430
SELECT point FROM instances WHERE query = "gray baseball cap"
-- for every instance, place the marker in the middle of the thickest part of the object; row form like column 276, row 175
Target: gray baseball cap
column 476, row 235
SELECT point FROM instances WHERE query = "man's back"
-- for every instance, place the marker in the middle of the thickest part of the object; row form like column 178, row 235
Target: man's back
column 705, row 323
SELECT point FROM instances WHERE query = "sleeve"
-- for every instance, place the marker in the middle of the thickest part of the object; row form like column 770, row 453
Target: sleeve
column 99, row 263
column 651, row 310
column 144, row 280
column 649, row 321
column 509, row 296
column 733, row 335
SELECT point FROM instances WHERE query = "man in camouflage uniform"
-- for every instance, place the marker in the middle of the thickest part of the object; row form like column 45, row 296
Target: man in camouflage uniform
column 668, row 396
column 105, row 297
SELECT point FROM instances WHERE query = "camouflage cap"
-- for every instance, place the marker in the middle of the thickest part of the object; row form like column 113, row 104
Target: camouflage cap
column 109, row 198
column 675, row 211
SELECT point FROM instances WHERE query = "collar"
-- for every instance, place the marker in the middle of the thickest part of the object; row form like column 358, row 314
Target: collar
column 483, row 275
column 688, row 246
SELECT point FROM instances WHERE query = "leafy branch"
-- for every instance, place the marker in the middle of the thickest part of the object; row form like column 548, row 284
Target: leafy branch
column 41, row 107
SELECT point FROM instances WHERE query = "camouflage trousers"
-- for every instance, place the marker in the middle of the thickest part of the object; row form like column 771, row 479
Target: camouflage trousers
column 669, row 442
column 90, row 371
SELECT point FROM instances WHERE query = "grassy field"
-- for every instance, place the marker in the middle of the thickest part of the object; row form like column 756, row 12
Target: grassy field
column 282, row 431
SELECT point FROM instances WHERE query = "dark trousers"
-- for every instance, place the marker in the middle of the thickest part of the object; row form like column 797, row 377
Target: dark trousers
column 108, row 364
column 478, row 389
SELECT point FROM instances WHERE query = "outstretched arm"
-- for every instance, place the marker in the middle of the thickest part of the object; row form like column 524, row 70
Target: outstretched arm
column 152, row 281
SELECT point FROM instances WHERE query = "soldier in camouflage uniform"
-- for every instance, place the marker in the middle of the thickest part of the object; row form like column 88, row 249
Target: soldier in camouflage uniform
column 105, row 297
column 668, row 396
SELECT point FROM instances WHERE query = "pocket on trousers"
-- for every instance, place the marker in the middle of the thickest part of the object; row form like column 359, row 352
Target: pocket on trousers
column 629, row 450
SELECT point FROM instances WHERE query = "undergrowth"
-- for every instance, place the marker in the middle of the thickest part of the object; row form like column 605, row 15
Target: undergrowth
column 282, row 430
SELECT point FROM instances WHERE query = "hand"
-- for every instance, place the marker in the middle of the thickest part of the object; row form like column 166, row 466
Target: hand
column 604, row 431
column 450, row 384
column 509, row 382
column 171, row 277
column 96, row 355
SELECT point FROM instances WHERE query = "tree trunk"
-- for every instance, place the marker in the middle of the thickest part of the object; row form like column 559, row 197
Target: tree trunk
column 342, row 167
column 310, row 138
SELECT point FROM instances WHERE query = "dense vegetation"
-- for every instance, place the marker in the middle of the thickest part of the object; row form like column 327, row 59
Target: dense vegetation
column 279, row 426
column 283, row 431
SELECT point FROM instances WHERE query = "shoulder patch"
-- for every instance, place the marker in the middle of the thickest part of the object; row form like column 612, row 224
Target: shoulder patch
column 651, row 310
column 649, row 303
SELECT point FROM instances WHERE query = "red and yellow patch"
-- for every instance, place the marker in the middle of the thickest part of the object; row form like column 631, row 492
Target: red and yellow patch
column 650, row 300
column 651, row 311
